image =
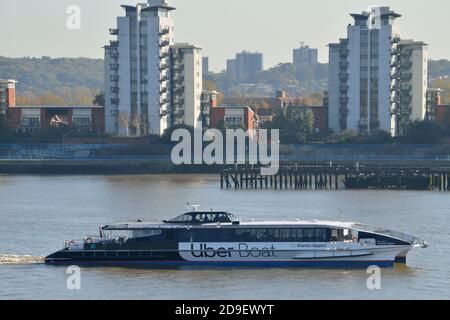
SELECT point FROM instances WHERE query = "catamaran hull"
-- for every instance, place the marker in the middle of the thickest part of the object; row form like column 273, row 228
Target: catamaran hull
column 383, row 257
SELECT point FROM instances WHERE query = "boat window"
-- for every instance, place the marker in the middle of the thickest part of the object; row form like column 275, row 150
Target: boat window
column 274, row 235
column 223, row 218
column 239, row 235
column 206, row 218
column 321, row 235
column 297, row 234
column 261, row 235
column 250, row 235
column 338, row 235
column 145, row 233
column 309, row 235
column 347, row 235
column 285, row 234
column 183, row 219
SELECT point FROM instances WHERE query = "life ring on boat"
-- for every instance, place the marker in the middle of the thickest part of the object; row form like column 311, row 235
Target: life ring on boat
column 355, row 239
column 88, row 241
column 70, row 243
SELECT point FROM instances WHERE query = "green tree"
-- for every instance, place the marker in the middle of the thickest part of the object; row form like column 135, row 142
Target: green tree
column 295, row 124
column 422, row 132
column 99, row 99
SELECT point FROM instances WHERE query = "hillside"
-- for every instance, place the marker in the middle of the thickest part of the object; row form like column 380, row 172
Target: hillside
column 64, row 77
column 77, row 81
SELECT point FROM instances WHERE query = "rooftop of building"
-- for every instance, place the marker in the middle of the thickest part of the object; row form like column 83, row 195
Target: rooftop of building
column 185, row 45
column 233, row 107
column 411, row 42
column 382, row 11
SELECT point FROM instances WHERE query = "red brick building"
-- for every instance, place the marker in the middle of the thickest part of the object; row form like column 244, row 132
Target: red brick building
column 29, row 119
column 233, row 117
column 443, row 116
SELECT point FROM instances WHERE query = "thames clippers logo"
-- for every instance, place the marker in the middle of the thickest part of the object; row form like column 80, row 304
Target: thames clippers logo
column 242, row 251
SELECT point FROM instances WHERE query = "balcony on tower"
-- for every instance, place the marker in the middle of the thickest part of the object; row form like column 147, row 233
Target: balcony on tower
column 164, row 43
column 178, row 112
column 343, row 100
column 343, row 76
column 113, row 32
column 343, row 64
column 114, row 43
column 343, row 52
column 163, row 90
column 178, row 101
column 164, row 55
column 343, row 88
column 395, row 51
column 343, row 110
column 114, row 89
column 164, row 30
column 163, row 66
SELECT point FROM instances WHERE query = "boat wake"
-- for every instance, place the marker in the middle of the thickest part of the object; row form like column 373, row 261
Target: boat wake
column 9, row 259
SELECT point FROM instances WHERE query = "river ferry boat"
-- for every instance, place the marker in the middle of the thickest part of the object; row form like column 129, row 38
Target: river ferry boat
column 211, row 239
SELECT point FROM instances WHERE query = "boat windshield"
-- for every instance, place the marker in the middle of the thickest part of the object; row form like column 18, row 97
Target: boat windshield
column 203, row 217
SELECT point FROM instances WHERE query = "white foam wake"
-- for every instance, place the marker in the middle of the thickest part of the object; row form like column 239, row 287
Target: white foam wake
column 16, row 259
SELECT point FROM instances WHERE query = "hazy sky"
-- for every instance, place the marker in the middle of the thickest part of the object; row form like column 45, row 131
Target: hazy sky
column 221, row 27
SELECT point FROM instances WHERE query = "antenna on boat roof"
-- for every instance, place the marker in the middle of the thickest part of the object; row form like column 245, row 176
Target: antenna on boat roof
column 342, row 215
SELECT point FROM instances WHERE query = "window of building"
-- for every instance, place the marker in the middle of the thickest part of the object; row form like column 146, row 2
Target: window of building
column 81, row 121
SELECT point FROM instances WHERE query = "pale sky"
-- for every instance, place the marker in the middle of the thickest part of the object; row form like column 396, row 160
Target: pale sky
column 220, row 27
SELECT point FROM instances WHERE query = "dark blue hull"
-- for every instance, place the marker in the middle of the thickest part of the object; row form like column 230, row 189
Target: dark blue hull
column 248, row 264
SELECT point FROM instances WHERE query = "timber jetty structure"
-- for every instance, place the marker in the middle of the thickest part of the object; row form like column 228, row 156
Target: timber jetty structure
column 395, row 175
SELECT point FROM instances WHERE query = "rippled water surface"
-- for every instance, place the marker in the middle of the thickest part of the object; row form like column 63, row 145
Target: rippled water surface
column 37, row 213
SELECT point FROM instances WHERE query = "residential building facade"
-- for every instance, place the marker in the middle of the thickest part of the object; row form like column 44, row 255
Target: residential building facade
column 376, row 80
column 208, row 101
column 138, row 73
column 433, row 103
column 7, row 95
column 305, row 57
column 244, row 65
column 186, row 84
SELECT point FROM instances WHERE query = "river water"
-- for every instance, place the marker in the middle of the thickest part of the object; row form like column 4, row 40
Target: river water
column 38, row 212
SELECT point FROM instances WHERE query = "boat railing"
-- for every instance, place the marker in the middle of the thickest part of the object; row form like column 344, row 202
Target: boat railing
column 74, row 244
column 394, row 234
column 79, row 244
